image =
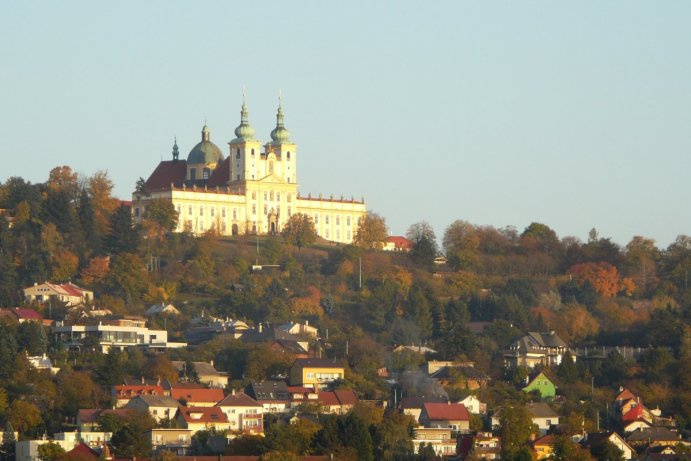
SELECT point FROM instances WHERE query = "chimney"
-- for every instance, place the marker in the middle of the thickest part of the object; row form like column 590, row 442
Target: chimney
column 212, row 362
column 307, row 323
column 232, row 392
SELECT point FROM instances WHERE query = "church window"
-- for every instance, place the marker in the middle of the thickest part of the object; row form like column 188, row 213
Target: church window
column 237, row 153
column 348, row 235
column 271, row 166
column 266, row 196
column 326, row 219
column 254, row 209
column 327, row 233
column 223, row 212
column 206, row 173
column 254, row 227
column 266, row 209
column 213, row 212
column 289, row 197
column 289, row 212
column 338, row 220
column 223, row 227
column 288, row 178
column 278, row 196
column 347, row 220
column 271, row 196
column 235, row 213
column 201, row 210
column 316, row 218
column 288, row 155
column 338, row 234
column 252, row 176
column 193, row 174
column 237, row 177
column 252, row 152
column 189, row 210
column 254, row 195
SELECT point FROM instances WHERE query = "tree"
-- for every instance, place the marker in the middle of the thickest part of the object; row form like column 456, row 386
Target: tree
column 371, row 232
column 607, row 451
column 24, row 416
column 461, row 244
column 299, row 230
column 425, row 247
column 516, row 429
column 122, row 237
column 128, row 276
column 161, row 217
column 51, row 451
column 8, row 447
column 604, row 277
column 130, row 441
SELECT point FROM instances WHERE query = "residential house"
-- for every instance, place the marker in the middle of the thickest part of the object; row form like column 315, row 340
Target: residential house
column 160, row 407
column 177, row 441
column 454, row 416
column 274, row 396
column 662, row 453
column 461, row 377
column 67, row 293
column 206, row 373
column 121, row 333
column 419, row 349
column 543, row 416
column 300, row 329
column 315, row 373
column 623, row 396
column 121, row 394
column 83, row 452
column 279, row 340
column 596, row 438
column 302, row 395
column 441, row 440
column 202, row 418
column 197, row 397
column 412, row 405
column 87, row 418
column 474, row 406
column 397, row 243
column 21, row 315
column 94, row 440
column 482, row 445
column 636, row 412
column 546, row 349
column 634, row 425
column 337, row 402
column 541, row 384
column 43, row 362
column 162, row 308
column 653, row 437
column 244, row 414
column 543, row 447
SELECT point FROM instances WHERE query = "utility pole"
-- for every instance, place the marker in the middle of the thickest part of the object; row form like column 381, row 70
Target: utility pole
column 360, row 276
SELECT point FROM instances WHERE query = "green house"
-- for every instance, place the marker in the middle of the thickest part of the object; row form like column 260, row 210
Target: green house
column 542, row 384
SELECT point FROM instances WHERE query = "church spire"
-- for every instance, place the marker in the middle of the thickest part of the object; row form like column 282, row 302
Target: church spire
column 280, row 135
column 176, row 151
column 244, row 131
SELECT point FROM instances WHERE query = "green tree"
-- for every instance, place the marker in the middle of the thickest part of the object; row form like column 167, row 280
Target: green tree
column 162, row 216
column 461, row 244
column 516, row 429
column 567, row 369
column 371, row 232
column 122, row 237
column 51, row 451
column 7, row 449
column 425, row 247
column 24, row 416
column 299, row 230
column 607, row 451
column 128, row 276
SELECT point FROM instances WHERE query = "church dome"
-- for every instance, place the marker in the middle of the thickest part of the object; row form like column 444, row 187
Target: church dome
column 244, row 131
column 205, row 152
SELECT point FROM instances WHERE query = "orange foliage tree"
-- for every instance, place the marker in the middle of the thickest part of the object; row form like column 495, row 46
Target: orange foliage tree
column 603, row 276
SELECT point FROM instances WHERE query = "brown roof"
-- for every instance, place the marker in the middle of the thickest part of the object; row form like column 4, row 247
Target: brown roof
column 336, row 398
column 625, row 394
column 206, row 414
column 133, row 390
column 197, row 395
column 27, row 314
column 167, row 172
column 82, row 451
column 446, row 411
column 238, row 400
column 221, row 175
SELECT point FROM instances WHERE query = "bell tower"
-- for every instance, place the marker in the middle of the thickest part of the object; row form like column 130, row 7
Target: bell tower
column 244, row 150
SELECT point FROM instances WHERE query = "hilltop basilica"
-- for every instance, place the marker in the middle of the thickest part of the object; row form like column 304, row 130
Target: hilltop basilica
column 252, row 190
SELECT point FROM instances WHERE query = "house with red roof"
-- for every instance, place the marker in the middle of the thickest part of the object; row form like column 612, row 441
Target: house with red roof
column 67, row 293
column 21, row 315
column 202, row 418
column 245, row 414
column 445, row 415
column 397, row 243
column 637, row 412
column 123, row 393
column 544, row 446
column 337, row 402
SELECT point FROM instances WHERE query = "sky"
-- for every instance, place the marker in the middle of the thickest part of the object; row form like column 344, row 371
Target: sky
column 573, row 114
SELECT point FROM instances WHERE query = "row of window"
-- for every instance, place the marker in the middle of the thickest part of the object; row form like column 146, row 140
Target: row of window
column 337, row 219
column 238, row 154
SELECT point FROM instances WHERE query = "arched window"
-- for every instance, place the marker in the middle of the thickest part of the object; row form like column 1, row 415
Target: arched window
column 237, row 153
column 288, row 155
column 271, row 166
column 252, row 152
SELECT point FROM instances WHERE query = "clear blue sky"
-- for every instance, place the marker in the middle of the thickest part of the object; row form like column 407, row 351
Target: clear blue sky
column 576, row 115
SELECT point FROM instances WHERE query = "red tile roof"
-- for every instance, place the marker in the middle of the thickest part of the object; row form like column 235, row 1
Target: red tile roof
column 192, row 396
column 547, row 441
column 635, row 413
column 625, row 394
column 132, row 390
column 26, row 314
column 400, row 242
column 205, row 414
column 346, row 397
column 446, row 412
column 82, row 451
column 328, row 399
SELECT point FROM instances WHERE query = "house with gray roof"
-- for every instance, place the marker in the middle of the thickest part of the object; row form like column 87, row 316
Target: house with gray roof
column 546, row 349
column 158, row 406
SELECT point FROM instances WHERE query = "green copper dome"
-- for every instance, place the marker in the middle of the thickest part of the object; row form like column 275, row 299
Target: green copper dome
column 280, row 135
column 206, row 151
column 244, row 131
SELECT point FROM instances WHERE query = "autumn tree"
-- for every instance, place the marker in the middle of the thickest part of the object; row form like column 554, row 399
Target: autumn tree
column 461, row 244
column 24, row 416
column 100, row 188
column 603, row 276
column 299, row 230
column 160, row 217
column 371, row 232
column 517, row 428
column 128, row 276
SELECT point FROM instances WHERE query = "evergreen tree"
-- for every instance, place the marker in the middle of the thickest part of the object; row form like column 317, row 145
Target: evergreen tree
column 123, row 237
column 8, row 447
